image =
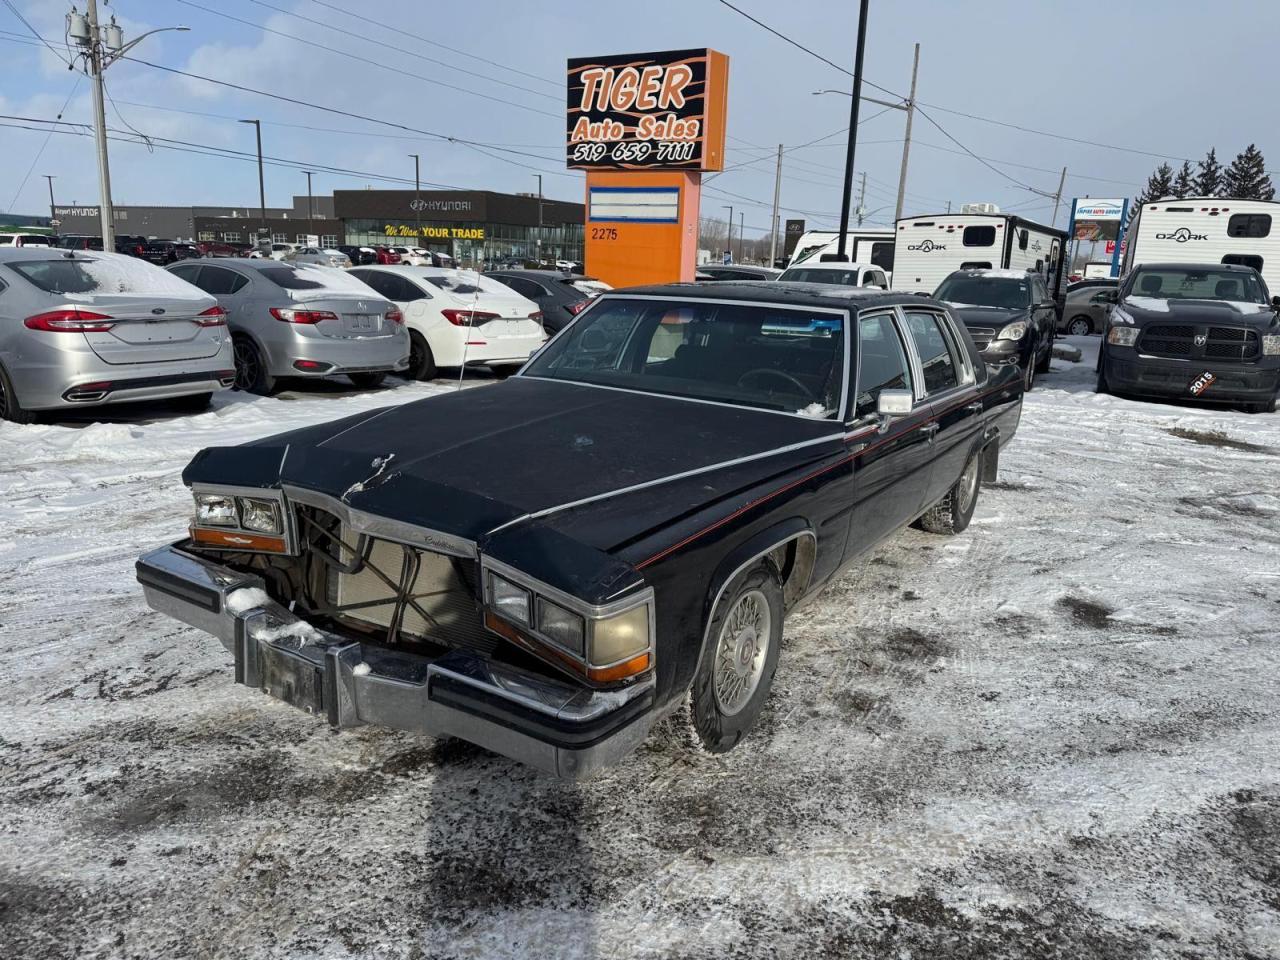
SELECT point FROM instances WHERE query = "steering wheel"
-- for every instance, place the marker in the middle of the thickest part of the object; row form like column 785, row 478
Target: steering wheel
column 791, row 381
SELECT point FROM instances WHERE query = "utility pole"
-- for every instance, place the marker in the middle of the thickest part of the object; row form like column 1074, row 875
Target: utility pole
column 741, row 217
column 773, row 225
column 851, row 149
column 102, row 46
column 53, row 215
column 1057, row 197
column 728, row 243
column 262, row 189
column 538, row 242
column 948, row 206
column 906, row 140
column 310, row 211
column 862, row 198
column 417, row 194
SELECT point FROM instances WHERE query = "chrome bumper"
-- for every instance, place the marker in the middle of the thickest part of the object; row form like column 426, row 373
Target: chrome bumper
column 556, row 727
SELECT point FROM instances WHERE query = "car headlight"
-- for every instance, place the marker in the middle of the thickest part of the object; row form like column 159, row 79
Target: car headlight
column 1013, row 331
column 1122, row 336
column 1271, row 346
column 620, row 637
column 214, row 510
column 262, row 516
column 509, row 599
column 561, row 626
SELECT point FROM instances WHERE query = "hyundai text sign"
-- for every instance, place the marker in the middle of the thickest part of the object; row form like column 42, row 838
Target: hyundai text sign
column 647, row 111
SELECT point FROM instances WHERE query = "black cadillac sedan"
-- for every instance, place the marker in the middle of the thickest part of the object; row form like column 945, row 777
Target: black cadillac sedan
column 547, row 565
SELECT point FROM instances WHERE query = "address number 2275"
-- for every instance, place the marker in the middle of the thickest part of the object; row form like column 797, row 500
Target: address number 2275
column 604, row 233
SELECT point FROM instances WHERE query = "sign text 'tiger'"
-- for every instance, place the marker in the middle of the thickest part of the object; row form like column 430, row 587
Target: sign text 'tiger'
column 647, row 111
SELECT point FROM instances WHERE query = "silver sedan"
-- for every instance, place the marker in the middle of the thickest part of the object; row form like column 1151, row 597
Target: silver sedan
column 85, row 328
column 325, row 257
column 1086, row 306
column 301, row 320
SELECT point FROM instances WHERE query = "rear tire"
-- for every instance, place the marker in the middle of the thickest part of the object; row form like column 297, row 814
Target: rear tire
column 951, row 514
column 422, row 362
column 367, row 381
column 251, row 368
column 1080, row 326
column 10, row 408
column 736, row 672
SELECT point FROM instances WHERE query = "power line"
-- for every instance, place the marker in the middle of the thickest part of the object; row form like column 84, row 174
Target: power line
column 391, row 46
column 35, row 33
column 374, row 63
column 39, row 153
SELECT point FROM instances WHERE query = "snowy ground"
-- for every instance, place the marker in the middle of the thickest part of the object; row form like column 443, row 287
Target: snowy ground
column 1053, row 736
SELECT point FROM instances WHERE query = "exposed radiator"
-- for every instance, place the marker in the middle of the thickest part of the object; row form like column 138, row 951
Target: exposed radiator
column 453, row 617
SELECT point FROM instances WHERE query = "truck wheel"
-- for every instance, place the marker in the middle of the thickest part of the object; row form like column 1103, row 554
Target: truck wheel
column 251, row 368
column 953, row 512
column 422, row 362
column 1266, row 406
column 1100, row 385
column 1080, row 326
column 736, row 672
column 10, row 409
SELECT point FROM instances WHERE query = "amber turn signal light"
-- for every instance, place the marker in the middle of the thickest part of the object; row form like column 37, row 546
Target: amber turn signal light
column 237, row 540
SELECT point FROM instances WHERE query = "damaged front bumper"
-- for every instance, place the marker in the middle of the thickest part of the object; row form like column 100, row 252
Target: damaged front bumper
column 556, row 727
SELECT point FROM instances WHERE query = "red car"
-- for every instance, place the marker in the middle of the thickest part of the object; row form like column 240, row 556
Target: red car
column 386, row 256
column 209, row 248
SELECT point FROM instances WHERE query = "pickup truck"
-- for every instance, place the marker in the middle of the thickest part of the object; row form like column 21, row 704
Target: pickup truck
column 1196, row 332
column 547, row 565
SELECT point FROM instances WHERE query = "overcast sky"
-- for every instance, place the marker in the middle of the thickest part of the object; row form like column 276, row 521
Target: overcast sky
column 1172, row 77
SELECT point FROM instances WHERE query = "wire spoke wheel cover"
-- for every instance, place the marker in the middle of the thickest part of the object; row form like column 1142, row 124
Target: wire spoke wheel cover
column 967, row 489
column 741, row 652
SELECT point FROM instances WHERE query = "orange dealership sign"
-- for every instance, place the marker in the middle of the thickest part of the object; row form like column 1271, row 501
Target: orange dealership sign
column 648, row 111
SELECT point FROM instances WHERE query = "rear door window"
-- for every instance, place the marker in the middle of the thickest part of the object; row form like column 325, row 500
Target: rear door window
column 882, row 362
column 219, row 281
column 938, row 359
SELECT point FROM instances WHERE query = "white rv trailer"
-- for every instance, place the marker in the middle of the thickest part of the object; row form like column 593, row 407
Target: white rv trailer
column 929, row 248
column 860, row 246
column 1207, row 230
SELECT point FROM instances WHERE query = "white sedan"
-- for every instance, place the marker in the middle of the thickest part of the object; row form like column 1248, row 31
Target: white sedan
column 458, row 318
column 412, row 256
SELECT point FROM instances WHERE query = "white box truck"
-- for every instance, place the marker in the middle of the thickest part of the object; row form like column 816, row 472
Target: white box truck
column 1207, row 230
column 929, row 248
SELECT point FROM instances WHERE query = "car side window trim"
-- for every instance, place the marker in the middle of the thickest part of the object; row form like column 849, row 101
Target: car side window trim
column 959, row 355
column 908, row 350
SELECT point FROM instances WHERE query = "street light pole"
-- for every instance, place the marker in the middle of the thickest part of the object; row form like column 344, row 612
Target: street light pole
column 906, row 138
column 538, row 241
column 262, row 188
column 728, row 241
column 53, row 215
column 773, row 224
column 738, row 258
column 854, row 102
column 310, row 210
column 417, row 195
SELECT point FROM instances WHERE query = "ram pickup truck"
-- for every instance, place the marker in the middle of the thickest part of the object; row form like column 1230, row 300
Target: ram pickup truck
column 547, row 565
column 1193, row 332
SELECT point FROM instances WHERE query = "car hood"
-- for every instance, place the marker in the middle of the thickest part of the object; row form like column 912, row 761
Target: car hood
column 560, row 454
column 975, row 316
column 1145, row 310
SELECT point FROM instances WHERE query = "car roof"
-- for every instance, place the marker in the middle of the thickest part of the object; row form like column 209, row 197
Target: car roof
column 825, row 265
column 994, row 272
column 44, row 253
column 784, row 292
column 541, row 274
column 1230, row 267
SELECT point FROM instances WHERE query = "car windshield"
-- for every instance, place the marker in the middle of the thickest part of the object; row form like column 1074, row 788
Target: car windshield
column 1193, row 283
column 766, row 356
column 845, row 278
column 1007, row 292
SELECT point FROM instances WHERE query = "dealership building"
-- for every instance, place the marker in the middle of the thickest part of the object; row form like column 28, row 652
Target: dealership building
column 473, row 226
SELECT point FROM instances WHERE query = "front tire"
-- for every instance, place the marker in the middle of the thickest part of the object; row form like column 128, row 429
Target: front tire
column 367, row 381
column 1042, row 366
column 1266, row 406
column 10, row 408
column 1029, row 374
column 951, row 514
column 1080, row 326
column 736, row 672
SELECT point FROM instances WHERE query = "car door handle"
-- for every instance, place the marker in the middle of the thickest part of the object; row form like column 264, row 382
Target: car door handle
column 975, row 407
column 930, row 429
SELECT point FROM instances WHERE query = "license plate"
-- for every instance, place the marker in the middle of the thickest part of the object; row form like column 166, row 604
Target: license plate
column 1202, row 383
column 361, row 321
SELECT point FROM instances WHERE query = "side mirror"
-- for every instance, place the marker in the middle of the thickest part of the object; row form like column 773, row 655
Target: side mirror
column 891, row 404
column 1109, row 296
column 1275, row 301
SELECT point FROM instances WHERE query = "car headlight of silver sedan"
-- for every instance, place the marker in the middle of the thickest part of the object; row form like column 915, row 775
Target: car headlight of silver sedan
column 601, row 643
